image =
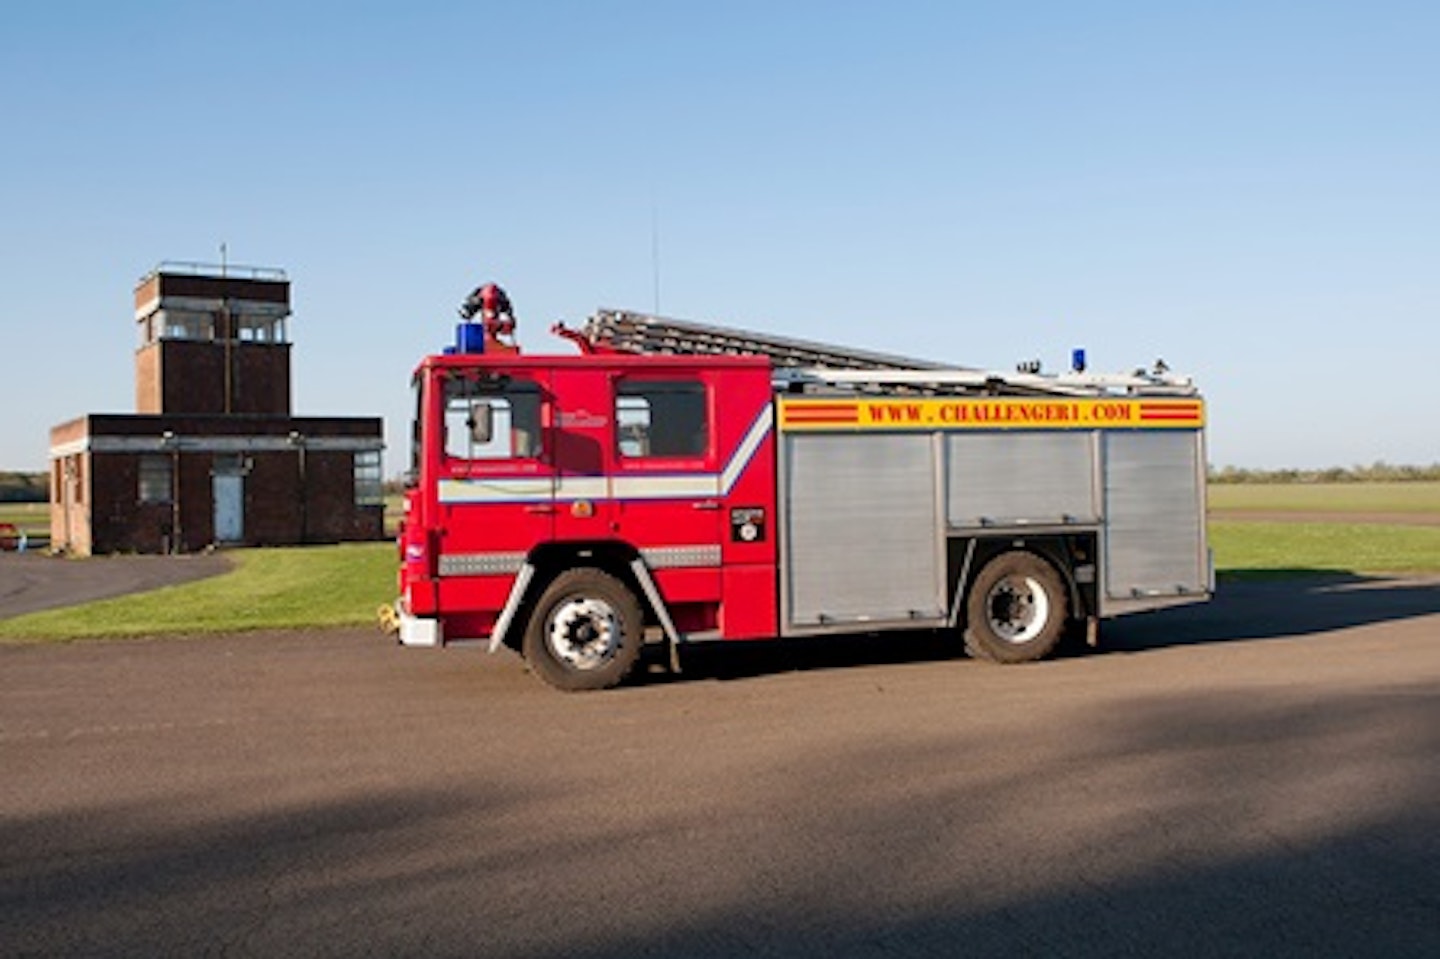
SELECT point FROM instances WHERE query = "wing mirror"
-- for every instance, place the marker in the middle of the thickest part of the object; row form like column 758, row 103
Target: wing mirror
column 481, row 422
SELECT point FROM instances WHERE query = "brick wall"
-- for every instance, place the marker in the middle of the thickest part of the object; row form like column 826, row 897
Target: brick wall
column 293, row 490
column 280, row 508
column 188, row 377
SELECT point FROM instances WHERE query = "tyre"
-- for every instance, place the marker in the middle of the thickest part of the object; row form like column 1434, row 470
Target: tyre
column 585, row 632
column 1016, row 610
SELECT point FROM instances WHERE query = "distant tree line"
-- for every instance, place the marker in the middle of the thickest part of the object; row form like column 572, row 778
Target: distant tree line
column 1374, row 473
column 1380, row 472
column 24, row 488
column 35, row 487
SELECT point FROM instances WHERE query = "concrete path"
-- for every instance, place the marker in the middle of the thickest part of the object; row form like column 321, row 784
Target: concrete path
column 33, row 581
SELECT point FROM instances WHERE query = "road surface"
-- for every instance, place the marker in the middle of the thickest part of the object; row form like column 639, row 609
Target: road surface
column 1257, row 777
column 30, row 582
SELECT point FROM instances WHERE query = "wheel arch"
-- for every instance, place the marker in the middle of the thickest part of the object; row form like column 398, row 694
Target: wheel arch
column 549, row 560
column 1065, row 553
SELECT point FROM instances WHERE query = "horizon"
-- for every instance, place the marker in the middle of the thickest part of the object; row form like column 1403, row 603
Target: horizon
column 1377, row 472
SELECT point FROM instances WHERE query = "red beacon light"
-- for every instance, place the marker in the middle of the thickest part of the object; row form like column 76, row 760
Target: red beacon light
column 486, row 316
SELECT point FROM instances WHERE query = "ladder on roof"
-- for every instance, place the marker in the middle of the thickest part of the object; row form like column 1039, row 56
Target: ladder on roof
column 807, row 366
column 986, row 383
column 641, row 333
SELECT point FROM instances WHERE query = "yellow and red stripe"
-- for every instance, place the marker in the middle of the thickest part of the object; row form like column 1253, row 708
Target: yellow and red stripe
column 990, row 413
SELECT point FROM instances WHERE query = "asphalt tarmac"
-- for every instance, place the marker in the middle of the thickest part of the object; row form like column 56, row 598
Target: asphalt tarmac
column 30, row 582
column 1256, row 777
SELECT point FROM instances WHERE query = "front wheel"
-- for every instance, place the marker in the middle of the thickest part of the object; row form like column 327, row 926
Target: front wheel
column 1016, row 609
column 585, row 632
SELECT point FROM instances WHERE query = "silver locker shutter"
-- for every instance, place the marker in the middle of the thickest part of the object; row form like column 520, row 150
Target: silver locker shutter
column 862, row 539
column 1004, row 478
column 1154, row 544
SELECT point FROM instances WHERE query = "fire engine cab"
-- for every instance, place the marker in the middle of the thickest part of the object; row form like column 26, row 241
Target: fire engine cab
column 678, row 483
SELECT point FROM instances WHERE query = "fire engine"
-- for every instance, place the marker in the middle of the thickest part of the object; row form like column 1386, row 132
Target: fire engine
column 676, row 483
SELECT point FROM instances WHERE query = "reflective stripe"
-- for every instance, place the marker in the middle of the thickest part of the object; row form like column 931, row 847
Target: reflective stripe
column 525, row 490
column 480, row 564
column 680, row 557
column 658, row 557
column 674, row 486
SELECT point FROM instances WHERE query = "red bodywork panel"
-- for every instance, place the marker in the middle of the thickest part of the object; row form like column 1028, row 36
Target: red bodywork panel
column 671, row 458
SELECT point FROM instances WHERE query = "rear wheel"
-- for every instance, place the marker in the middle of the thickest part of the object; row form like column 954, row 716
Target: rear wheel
column 585, row 632
column 1016, row 610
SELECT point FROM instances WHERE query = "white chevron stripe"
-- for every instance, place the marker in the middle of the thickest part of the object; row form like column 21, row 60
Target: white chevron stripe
column 746, row 450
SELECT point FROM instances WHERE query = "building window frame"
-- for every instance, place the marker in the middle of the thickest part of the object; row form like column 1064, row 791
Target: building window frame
column 369, row 479
column 155, row 480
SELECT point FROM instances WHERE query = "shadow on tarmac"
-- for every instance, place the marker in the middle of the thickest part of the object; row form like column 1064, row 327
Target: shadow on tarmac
column 1276, row 605
column 1212, row 839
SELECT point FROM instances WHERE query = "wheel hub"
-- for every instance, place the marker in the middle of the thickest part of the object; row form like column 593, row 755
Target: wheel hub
column 1018, row 609
column 584, row 633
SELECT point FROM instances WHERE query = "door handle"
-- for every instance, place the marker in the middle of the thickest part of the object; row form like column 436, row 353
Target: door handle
column 706, row 504
column 540, row 508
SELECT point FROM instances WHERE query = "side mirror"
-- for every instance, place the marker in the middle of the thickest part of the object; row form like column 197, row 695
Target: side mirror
column 481, row 423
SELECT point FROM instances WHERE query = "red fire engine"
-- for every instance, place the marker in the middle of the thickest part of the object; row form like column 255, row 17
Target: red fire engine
column 680, row 483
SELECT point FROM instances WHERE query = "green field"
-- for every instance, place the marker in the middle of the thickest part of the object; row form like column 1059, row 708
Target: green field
column 1347, row 533
column 343, row 585
column 1360, row 498
column 31, row 518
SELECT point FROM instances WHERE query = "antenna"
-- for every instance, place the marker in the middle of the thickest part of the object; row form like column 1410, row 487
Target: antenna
column 655, row 250
column 227, row 323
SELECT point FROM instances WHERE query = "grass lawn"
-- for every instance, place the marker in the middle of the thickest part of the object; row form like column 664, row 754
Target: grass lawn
column 1243, row 548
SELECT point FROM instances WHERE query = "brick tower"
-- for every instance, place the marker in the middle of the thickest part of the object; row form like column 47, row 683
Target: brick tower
column 213, row 454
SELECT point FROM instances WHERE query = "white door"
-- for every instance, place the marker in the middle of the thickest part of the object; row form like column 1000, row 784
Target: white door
column 229, row 507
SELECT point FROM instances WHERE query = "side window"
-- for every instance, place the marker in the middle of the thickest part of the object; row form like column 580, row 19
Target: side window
column 655, row 418
column 491, row 418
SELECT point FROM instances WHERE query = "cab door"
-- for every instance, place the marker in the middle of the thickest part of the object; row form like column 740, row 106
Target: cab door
column 496, row 488
column 580, row 440
column 666, row 492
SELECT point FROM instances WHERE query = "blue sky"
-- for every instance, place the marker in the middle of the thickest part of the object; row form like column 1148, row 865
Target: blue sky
column 1250, row 190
